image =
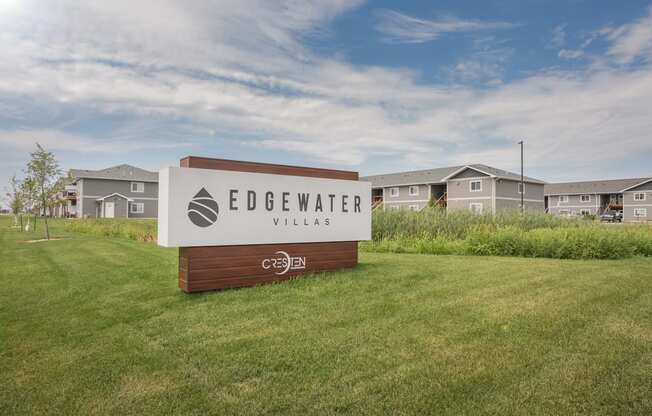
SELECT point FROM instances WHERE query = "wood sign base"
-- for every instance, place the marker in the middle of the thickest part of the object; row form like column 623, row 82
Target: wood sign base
column 221, row 267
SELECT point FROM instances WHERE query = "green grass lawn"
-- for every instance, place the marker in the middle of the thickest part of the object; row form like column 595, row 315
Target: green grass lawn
column 93, row 325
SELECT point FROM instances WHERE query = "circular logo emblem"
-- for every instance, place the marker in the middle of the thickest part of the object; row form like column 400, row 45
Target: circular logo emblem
column 203, row 209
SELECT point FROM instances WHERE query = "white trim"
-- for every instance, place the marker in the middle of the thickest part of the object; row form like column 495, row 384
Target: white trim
column 639, row 216
column 564, row 201
column 114, row 194
column 471, row 182
column 636, row 205
column 518, row 188
column 469, row 198
column 637, row 185
column 408, row 201
column 571, row 206
column 140, row 187
column 588, row 211
column 480, row 204
column 519, row 199
column 411, row 187
column 493, row 195
column 468, row 179
column 140, row 198
column 391, row 192
column 137, row 204
column 462, row 169
column 414, row 207
column 639, row 193
column 583, row 195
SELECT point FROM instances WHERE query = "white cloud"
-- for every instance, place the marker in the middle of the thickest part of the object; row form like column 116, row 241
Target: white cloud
column 632, row 40
column 55, row 140
column 242, row 67
column 397, row 27
column 571, row 53
column 558, row 38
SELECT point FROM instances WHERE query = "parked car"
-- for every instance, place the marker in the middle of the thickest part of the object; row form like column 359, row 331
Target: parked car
column 612, row 216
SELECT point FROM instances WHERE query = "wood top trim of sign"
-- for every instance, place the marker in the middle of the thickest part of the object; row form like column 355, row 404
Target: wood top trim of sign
column 221, row 267
column 257, row 167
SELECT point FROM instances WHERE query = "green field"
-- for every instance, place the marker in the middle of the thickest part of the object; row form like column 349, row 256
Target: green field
column 96, row 325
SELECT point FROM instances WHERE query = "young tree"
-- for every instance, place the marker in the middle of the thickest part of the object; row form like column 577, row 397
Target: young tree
column 44, row 170
column 28, row 198
column 15, row 198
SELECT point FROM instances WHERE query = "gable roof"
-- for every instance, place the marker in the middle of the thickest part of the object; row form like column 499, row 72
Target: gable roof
column 438, row 175
column 495, row 173
column 638, row 184
column 121, row 173
column 613, row 186
column 114, row 194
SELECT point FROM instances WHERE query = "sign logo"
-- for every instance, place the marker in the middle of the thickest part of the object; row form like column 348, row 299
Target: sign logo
column 283, row 262
column 203, row 209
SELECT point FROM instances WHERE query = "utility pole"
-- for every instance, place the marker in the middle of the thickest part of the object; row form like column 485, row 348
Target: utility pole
column 522, row 182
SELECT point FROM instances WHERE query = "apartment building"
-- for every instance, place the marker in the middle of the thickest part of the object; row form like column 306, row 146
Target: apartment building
column 632, row 196
column 478, row 188
column 122, row 191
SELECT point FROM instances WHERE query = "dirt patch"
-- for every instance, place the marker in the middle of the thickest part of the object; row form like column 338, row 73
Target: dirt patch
column 44, row 239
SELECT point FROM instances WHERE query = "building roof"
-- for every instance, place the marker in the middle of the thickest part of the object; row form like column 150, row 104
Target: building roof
column 439, row 175
column 612, row 186
column 120, row 173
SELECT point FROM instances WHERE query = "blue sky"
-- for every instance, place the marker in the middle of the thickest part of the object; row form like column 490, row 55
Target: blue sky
column 370, row 86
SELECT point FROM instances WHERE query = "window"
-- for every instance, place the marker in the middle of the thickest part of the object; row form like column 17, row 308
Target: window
column 564, row 212
column 394, row 207
column 639, row 196
column 520, row 188
column 475, row 186
column 563, row 198
column 585, row 212
column 476, row 207
column 413, row 190
column 138, row 187
column 585, row 198
column 413, row 207
column 393, row 192
column 137, row 208
column 640, row 212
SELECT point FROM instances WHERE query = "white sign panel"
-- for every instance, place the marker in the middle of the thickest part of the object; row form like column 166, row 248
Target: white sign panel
column 205, row 207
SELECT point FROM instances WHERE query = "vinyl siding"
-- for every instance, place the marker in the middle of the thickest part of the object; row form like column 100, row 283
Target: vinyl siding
column 89, row 190
column 629, row 204
column 574, row 204
column 404, row 194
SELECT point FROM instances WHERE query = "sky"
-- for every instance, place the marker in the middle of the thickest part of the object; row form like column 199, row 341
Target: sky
column 374, row 87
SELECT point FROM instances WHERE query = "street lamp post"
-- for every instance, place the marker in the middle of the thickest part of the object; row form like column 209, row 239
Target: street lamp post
column 522, row 182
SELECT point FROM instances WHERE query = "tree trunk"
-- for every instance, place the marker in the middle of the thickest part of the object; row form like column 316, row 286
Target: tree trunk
column 21, row 222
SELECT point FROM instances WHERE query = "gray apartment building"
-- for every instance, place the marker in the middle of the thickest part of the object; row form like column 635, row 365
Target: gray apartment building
column 632, row 196
column 478, row 188
column 122, row 191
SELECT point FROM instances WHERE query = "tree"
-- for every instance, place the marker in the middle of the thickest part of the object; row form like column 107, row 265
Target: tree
column 43, row 170
column 28, row 198
column 15, row 198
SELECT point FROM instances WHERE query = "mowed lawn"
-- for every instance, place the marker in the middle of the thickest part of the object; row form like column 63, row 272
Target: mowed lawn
column 95, row 325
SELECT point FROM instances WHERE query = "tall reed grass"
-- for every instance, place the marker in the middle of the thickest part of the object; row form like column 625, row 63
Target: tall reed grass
column 434, row 231
column 134, row 229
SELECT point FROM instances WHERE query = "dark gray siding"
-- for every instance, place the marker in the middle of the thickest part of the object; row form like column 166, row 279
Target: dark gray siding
column 631, row 206
column 89, row 190
column 574, row 206
column 404, row 200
